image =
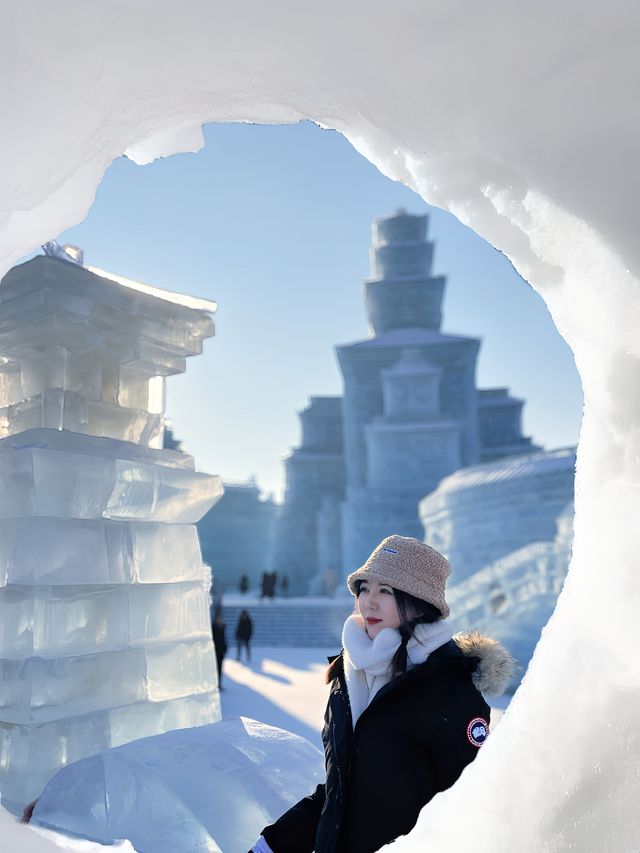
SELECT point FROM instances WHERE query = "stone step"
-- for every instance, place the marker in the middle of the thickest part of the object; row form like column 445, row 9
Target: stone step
column 294, row 622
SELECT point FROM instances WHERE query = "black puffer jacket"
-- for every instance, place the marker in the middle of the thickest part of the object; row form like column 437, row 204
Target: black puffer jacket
column 412, row 741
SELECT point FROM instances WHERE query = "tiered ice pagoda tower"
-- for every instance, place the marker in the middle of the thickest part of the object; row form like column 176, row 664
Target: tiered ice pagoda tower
column 104, row 620
column 411, row 409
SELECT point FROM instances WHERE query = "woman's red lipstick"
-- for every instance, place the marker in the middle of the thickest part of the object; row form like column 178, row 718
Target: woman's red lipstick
column 372, row 620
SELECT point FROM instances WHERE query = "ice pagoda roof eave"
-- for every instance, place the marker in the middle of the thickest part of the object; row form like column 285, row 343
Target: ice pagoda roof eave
column 182, row 299
column 406, row 336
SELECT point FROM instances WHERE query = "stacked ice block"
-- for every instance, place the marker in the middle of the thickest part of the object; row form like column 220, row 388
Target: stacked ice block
column 104, row 601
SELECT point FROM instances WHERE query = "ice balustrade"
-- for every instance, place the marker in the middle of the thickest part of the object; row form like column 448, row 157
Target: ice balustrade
column 105, row 631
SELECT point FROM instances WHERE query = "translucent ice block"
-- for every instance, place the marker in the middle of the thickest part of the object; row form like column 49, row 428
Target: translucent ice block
column 35, row 481
column 30, row 754
column 57, row 409
column 57, row 367
column 164, row 612
column 41, row 690
column 93, row 446
column 167, row 552
column 57, row 621
column 10, row 384
column 42, row 551
column 126, row 386
column 37, row 690
column 179, row 669
column 52, row 622
column 160, row 494
column 145, row 718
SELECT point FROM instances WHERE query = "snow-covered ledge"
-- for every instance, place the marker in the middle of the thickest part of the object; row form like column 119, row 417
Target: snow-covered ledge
column 522, row 120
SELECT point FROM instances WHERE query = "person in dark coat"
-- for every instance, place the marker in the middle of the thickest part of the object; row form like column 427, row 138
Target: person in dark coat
column 244, row 630
column 218, row 630
column 405, row 713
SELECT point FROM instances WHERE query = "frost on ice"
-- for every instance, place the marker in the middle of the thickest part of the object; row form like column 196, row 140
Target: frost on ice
column 521, row 119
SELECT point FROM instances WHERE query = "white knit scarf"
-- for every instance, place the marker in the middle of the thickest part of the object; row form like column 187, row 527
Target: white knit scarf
column 367, row 663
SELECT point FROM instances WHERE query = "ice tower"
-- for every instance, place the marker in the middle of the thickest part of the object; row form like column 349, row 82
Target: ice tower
column 410, row 409
column 104, row 619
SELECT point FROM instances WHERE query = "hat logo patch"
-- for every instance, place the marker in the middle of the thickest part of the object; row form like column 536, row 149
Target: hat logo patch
column 390, row 550
column 477, row 731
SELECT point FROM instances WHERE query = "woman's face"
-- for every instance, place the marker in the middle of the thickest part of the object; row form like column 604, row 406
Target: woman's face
column 377, row 606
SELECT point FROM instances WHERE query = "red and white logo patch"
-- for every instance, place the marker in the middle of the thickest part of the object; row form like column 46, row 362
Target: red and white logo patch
column 477, row 731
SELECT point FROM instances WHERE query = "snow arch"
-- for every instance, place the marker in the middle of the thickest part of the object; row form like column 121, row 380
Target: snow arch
column 520, row 120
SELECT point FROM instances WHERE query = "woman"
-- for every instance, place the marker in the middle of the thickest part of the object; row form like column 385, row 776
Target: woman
column 405, row 712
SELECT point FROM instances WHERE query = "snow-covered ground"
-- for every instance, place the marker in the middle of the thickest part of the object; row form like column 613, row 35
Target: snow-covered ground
column 281, row 687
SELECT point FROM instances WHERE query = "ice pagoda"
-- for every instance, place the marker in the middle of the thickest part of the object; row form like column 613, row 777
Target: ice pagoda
column 104, row 617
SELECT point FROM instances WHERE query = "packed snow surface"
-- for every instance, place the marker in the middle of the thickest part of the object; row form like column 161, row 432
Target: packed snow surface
column 522, row 120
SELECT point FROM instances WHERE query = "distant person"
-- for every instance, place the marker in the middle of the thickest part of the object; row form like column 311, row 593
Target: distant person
column 284, row 586
column 243, row 586
column 268, row 589
column 218, row 630
column 271, row 585
column 405, row 712
column 244, row 630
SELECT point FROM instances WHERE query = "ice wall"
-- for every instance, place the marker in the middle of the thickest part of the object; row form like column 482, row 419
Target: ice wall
column 519, row 118
column 105, row 633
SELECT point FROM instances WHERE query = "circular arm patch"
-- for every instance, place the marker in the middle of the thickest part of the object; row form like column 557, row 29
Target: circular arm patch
column 477, row 731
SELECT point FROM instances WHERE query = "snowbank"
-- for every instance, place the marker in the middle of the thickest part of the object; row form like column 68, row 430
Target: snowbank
column 522, row 120
column 209, row 789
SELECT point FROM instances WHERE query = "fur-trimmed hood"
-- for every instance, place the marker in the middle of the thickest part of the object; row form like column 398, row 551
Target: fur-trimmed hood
column 495, row 667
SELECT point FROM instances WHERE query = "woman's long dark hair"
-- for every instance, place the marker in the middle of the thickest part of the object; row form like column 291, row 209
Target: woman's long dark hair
column 412, row 611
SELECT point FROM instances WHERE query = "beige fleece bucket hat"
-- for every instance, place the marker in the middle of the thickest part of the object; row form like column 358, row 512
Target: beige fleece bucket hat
column 410, row 565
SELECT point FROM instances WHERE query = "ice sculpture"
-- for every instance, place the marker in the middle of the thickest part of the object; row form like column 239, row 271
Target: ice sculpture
column 104, row 618
column 206, row 789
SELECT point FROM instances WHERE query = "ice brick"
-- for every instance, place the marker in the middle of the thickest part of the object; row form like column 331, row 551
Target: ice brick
column 145, row 719
column 10, row 385
column 93, row 446
column 41, row 690
column 59, row 621
column 57, row 367
column 205, row 789
column 178, row 669
column 159, row 613
column 49, row 551
column 161, row 494
column 35, row 481
column 31, row 753
column 57, row 409
column 64, row 621
column 167, row 552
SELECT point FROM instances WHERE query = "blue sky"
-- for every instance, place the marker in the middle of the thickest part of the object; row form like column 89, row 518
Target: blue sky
column 274, row 224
